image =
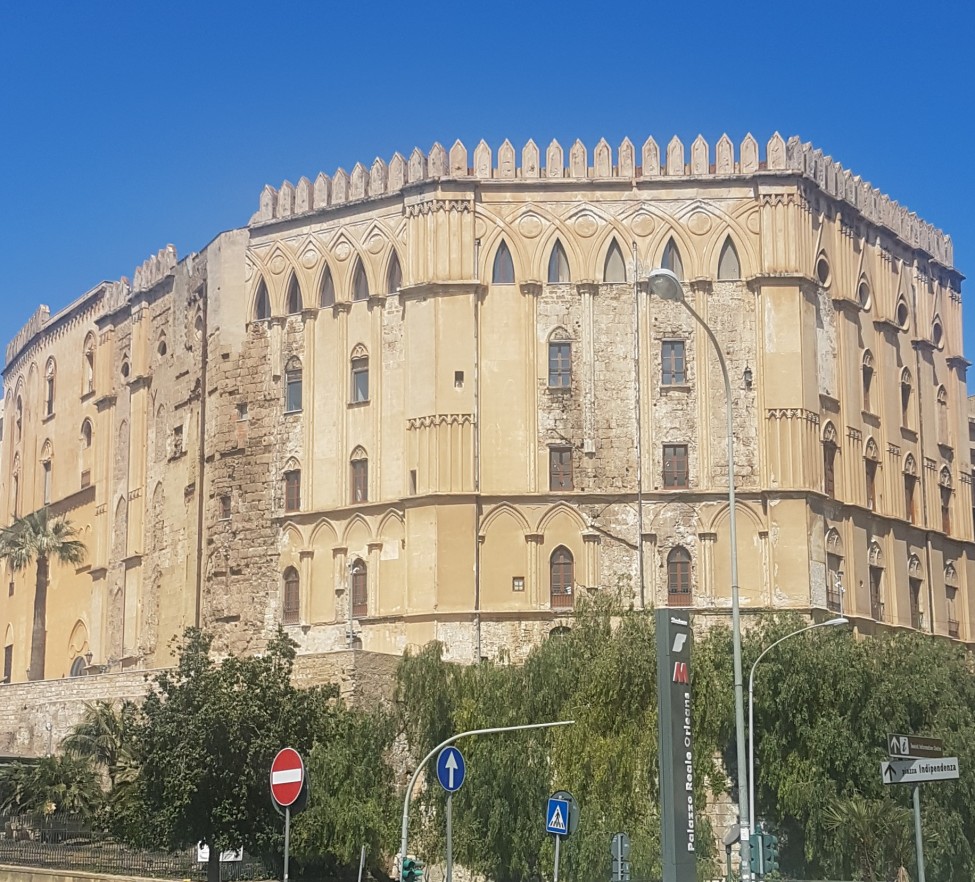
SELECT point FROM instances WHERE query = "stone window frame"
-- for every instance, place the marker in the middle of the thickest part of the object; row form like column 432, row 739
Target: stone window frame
column 561, row 571
column 88, row 364
column 47, row 471
column 679, row 589
column 291, row 597
column 292, row 486
column 944, row 424
column 560, row 369
column 50, row 386
column 359, row 476
column 867, row 377
column 292, row 385
column 910, row 489
column 871, row 467
column 669, row 374
column 830, row 450
column 875, row 559
column 560, row 471
column 675, row 467
column 359, row 368
column 915, row 587
column 907, row 390
column 834, row 570
column 359, row 588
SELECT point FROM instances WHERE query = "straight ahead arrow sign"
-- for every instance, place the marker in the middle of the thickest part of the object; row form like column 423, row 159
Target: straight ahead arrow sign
column 451, row 766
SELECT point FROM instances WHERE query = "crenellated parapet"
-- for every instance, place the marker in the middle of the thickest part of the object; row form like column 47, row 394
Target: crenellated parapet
column 34, row 324
column 154, row 269
column 626, row 163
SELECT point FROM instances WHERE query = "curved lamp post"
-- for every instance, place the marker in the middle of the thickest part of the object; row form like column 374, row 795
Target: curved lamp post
column 665, row 284
column 841, row 620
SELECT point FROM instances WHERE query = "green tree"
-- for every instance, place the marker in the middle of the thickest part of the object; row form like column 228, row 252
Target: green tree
column 206, row 742
column 824, row 705
column 872, row 836
column 38, row 538
column 602, row 674
column 353, row 802
column 106, row 735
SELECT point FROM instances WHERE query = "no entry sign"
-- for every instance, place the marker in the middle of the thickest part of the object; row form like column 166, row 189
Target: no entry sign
column 287, row 776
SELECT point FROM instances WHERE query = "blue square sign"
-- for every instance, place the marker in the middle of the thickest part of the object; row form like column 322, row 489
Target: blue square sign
column 557, row 817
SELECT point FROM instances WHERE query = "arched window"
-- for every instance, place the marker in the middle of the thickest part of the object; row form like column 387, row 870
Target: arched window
column 292, row 385
column 262, row 303
column 679, row 577
column 360, row 376
column 937, row 333
column 944, row 435
column 910, row 489
column 15, row 488
column 906, row 387
column 914, row 585
column 360, row 285
column 561, row 577
column 671, row 259
column 863, row 293
column 614, row 270
column 86, row 434
column 359, row 474
column 294, row 297
column 292, row 598
column 19, row 419
column 360, row 589
column 870, row 465
column 326, row 296
column 88, row 366
column 558, row 265
column 944, row 485
column 903, row 314
column 834, row 571
column 50, row 373
column 503, row 272
column 951, row 594
column 47, row 473
column 292, row 487
column 829, row 461
column 729, row 267
column 823, row 270
column 867, row 371
column 394, row 276
column 161, row 347
column 877, row 604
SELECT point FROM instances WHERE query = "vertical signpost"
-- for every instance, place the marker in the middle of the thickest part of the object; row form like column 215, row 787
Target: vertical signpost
column 288, row 782
column 621, row 858
column 561, row 819
column 913, row 760
column 451, row 771
column 677, row 820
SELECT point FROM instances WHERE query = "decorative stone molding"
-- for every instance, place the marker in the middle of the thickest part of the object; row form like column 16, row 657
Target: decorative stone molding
column 440, row 419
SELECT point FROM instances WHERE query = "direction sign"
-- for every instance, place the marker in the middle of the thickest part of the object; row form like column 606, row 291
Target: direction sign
column 451, row 769
column 913, row 746
column 287, row 776
column 557, row 817
column 911, row 771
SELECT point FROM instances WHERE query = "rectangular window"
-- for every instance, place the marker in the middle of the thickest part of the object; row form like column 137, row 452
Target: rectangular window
column 412, row 482
column 559, row 365
column 292, row 490
column 910, row 503
column 225, row 507
column 293, row 391
column 676, row 472
column 560, row 468
column 834, row 588
column 47, row 482
column 915, row 591
column 360, row 380
column 8, row 662
column 242, row 411
column 178, row 441
column 946, row 511
column 10, row 589
column 458, row 379
column 673, row 363
column 953, row 626
column 86, row 478
column 829, row 470
column 518, row 583
column 360, row 480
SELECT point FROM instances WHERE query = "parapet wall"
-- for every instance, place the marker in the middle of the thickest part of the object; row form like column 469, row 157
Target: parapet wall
column 36, row 716
column 793, row 157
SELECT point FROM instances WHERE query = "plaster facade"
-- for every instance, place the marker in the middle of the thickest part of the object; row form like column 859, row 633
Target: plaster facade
column 434, row 399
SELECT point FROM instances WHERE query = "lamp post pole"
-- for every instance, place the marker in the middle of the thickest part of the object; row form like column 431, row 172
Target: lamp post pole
column 751, row 707
column 667, row 286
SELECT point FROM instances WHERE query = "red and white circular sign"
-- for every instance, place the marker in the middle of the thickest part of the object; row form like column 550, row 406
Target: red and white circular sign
column 287, row 776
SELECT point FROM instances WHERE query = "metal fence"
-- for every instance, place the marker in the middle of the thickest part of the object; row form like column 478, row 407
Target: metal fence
column 66, row 842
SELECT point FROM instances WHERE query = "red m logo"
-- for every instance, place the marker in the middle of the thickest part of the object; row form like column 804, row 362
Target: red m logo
column 681, row 673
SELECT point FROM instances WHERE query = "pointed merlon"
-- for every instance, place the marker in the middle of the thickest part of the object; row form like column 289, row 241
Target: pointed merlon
column 675, row 156
column 530, row 160
column 578, row 160
column 749, row 155
column 286, row 199
column 340, row 187
column 437, row 161
column 377, row 177
column 602, row 160
column 303, row 196
column 482, row 161
column 554, row 163
column 651, row 158
column 700, row 156
column 458, row 160
column 359, row 186
column 418, row 165
column 724, row 156
column 323, row 191
column 506, row 160
column 397, row 173
column 627, row 166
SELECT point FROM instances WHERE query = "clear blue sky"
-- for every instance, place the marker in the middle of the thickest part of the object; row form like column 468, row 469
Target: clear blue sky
column 126, row 126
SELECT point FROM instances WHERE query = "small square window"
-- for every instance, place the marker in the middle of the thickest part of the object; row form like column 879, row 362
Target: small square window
column 225, row 507
column 518, row 583
column 458, row 379
column 86, row 478
column 242, row 411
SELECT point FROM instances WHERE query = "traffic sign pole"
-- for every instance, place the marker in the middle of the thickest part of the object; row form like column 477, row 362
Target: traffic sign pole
column 287, row 838
column 450, row 838
column 555, row 875
column 917, row 833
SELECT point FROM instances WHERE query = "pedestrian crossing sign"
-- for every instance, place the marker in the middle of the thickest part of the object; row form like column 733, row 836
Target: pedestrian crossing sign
column 557, row 817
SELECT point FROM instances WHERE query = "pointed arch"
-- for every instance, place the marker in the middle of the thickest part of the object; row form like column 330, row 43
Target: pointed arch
column 86, row 433
column 292, row 385
column 291, row 607
column 359, row 475
column 502, row 510
column 394, row 275
column 262, row 302
column 360, row 284
column 293, row 302
column 614, row 268
column 671, row 259
column 326, row 290
column 503, row 270
column 937, row 332
column 88, row 364
column 359, row 576
column 50, row 377
column 558, row 265
column 729, row 265
column 561, row 578
column 679, row 577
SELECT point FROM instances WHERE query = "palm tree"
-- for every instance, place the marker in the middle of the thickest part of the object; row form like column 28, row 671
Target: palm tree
column 106, row 735
column 874, row 833
column 39, row 538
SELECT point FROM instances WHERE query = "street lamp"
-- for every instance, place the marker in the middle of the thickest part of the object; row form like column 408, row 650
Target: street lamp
column 841, row 620
column 665, row 284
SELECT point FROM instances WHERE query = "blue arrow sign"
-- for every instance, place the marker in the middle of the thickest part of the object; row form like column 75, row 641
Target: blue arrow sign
column 557, row 817
column 451, row 769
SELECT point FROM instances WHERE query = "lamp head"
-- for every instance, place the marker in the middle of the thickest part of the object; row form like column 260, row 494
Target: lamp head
column 841, row 620
column 665, row 284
